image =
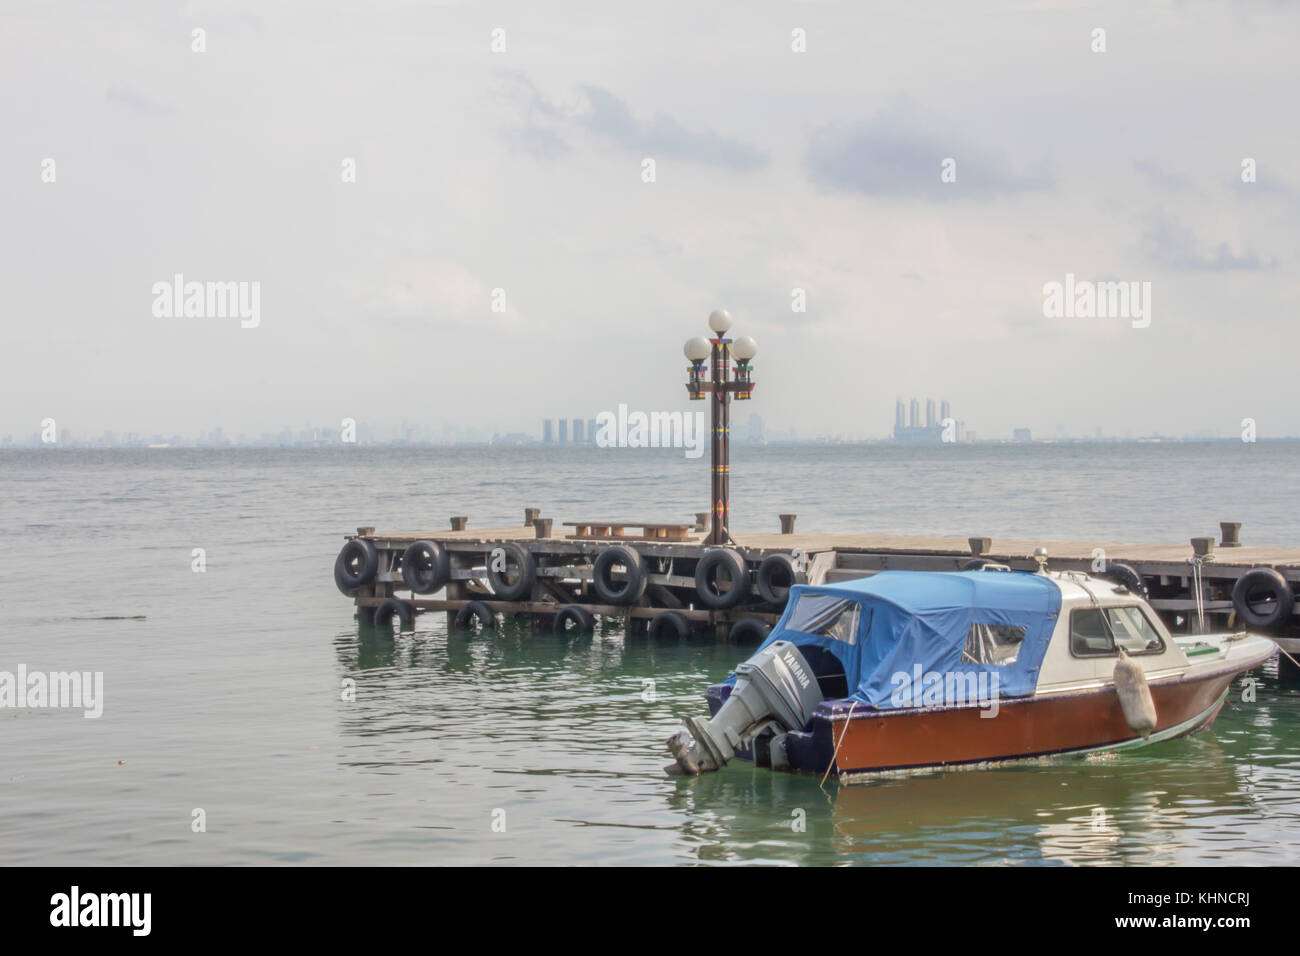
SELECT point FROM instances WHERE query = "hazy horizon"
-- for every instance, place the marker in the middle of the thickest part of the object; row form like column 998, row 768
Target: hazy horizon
column 513, row 177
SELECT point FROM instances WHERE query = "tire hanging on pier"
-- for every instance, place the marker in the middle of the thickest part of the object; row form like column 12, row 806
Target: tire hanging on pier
column 1262, row 599
column 341, row 584
column 404, row 611
column 669, row 626
column 748, row 630
column 426, row 567
column 356, row 566
column 1127, row 575
column 520, row 586
column 473, row 610
column 582, row 620
column 611, row 590
column 708, row 579
column 776, row 575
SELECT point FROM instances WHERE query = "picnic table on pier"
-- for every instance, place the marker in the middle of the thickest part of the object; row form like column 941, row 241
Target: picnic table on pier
column 650, row 530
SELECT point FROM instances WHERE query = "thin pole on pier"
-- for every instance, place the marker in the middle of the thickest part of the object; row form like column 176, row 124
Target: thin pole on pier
column 720, row 407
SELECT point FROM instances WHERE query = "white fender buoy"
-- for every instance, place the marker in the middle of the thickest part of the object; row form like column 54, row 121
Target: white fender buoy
column 1134, row 695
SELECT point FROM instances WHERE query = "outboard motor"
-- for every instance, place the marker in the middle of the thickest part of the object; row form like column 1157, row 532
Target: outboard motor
column 775, row 691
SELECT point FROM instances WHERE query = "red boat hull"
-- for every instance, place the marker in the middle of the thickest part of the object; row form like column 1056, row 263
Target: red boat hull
column 870, row 741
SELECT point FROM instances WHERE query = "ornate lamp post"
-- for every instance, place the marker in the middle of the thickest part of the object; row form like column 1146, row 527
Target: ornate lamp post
column 721, row 387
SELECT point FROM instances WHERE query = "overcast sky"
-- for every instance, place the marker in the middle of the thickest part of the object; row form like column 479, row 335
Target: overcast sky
column 522, row 170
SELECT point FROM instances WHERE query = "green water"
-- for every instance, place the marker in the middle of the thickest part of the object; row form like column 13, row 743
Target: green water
column 515, row 747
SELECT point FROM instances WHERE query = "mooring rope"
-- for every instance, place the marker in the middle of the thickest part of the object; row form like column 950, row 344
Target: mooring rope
column 1198, row 586
column 835, row 754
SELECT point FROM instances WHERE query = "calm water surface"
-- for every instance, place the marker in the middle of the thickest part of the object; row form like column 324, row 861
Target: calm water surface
column 227, row 697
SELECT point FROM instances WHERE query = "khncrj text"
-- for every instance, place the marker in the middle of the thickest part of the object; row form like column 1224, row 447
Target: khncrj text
column 1200, row 899
column 36, row 690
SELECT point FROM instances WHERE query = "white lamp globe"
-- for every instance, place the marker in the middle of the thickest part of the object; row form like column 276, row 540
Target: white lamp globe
column 744, row 348
column 720, row 321
column 697, row 349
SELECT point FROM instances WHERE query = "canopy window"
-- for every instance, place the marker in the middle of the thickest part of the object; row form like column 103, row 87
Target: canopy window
column 993, row 643
column 826, row 615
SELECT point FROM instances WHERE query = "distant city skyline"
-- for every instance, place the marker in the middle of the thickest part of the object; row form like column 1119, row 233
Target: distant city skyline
column 752, row 429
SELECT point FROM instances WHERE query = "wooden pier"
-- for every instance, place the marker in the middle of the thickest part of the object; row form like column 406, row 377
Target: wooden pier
column 667, row 580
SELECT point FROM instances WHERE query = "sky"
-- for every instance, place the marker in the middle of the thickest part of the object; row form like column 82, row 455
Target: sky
column 499, row 256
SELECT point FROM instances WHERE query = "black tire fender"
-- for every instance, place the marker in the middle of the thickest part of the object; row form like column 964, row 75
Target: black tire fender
column 340, row 583
column 356, row 565
column 669, row 625
column 1263, row 583
column 748, row 630
column 583, row 620
column 404, row 611
column 1127, row 575
column 522, row 587
column 602, row 580
column 426, row 567
column 706, row 579
column 474, row 609
column 776, row 575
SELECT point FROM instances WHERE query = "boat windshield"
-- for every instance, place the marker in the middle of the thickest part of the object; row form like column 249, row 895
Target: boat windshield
column 1133, row 631
column 826, row 615
column 1096, row 632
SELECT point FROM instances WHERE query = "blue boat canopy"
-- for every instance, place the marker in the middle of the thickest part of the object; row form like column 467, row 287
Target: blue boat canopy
column 914, row 638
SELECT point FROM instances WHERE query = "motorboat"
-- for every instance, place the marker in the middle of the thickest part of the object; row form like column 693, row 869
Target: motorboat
column 907, row 670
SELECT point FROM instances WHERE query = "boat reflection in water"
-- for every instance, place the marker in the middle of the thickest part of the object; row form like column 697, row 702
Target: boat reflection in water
column 1127, row 808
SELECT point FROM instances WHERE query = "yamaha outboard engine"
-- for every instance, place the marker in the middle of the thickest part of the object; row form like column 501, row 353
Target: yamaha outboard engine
column 775, row 691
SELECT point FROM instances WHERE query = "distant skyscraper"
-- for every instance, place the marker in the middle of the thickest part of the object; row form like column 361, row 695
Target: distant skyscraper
column 578, row 436
column 564, row 431
column 591, row 430
column 909, row 428
column 548, row 431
